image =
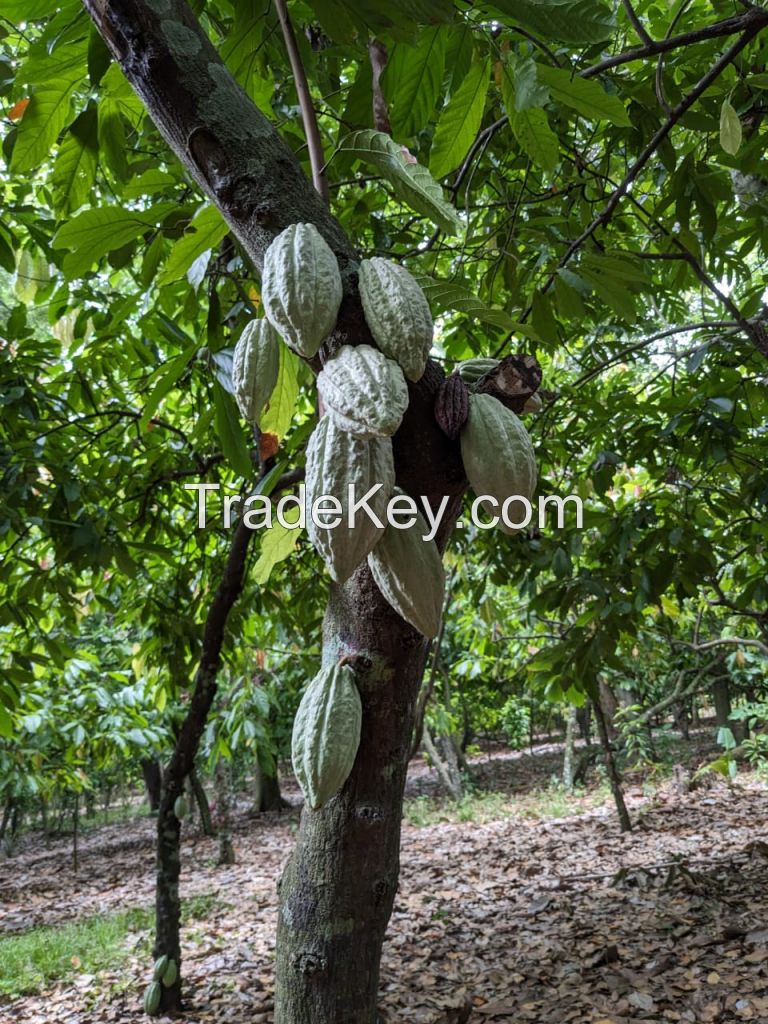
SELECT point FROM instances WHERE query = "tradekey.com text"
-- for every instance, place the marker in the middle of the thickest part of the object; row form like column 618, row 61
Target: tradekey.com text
column 327, row 512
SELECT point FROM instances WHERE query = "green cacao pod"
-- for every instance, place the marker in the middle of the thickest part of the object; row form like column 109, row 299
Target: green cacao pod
column 160, row 967
column 255, row 364
column 397, row 313
column 301, row 287
column 409, row 573
column 364, row 392
column 498, row 455
column 180, row 807
column 152, row 999
column 326, row 734
column 170, row 974
column 471, row 370
column 336, row 462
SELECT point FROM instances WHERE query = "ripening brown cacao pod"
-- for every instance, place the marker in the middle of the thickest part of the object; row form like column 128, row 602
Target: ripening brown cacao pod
column 452, row 406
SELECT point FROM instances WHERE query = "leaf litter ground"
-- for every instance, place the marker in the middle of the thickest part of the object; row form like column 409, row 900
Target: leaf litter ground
column 559, row 921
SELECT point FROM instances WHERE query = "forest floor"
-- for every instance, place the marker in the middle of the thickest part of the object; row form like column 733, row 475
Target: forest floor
column 517, row 913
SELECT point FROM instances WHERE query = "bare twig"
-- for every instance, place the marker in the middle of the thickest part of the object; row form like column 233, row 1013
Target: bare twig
column 308, row 116
column 378, row 55
column 638, row 26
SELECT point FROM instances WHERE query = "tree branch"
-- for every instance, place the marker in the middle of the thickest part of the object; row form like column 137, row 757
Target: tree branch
column 308, row 115
column 725, row 641
column 377, row 52
column 754, row 19
column 637, row 24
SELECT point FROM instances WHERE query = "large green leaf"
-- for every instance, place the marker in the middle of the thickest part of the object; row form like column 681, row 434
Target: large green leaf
column 277, row 544
column 43, row 120
column 413, row 78
column 585, row 95
column 93, row 233
column 75, row 169
column 282, row 403
column 586, row 21
column 460, row 121
column 536, row 138
column 412, row 183
column 230, row 432
column 206, row 230
column 445, row 295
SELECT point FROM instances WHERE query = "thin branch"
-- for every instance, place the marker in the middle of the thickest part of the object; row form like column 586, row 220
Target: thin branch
column 725, row 641
column 308, row 116
column 753, row 20
column 637, row 24
column 685, row 104
column 377, row 53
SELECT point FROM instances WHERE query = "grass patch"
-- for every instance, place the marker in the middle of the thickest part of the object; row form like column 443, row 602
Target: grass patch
column 33, row 960
column 483, row 806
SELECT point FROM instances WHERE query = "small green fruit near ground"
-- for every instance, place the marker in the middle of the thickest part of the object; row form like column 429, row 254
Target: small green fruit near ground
column 160, row 968
column 180, row 807
column 152, row 999
column 170, row 974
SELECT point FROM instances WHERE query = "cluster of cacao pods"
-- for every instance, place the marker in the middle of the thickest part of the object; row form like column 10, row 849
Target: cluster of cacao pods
column 164, row 973
column 364, row 395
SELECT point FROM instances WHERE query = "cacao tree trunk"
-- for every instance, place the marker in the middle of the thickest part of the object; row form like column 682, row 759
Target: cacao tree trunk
column 267, row 795
column 338, row 888
column 337, row 891
column 223, row 779
column 568, row 748
column 614, row 778
column 153, row 781
column 201, row 801
column 721, row 696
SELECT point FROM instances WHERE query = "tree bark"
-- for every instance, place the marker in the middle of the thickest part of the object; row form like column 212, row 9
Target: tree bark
column 625, row 822
column 568, row 748
column 153, row 781
column 721, row 696
column 267, row 791
column 223, row 780
column 203, row 807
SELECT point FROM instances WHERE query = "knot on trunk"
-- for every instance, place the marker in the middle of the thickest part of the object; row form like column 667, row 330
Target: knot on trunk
column 310, row 963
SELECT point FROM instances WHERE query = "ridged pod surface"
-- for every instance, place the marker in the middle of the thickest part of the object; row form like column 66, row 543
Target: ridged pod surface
column 409, row 573
column 364, row 392
column 161, row 965
column 471, row 370
column 336, row 460
column 301, row 287
column 152, row 996
column 452, row 405
column 498, row 455
column 255, row 365
column 397, row 313
column 326, row 734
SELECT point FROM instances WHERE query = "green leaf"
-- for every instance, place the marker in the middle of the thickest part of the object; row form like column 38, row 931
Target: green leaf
column 93, row 233
column 206, row 231
column 543, row 318
column 730, row 129
column 43, row 120
column 411, row 183
column 583, row 22
column 584, row 95
column 112, row 140
column 536, row 138
column 528, row 90
column 169, row 374
column 75, row 169
column 277, row 545
column 231, row 433
column 443, row 295
column 413, row 78
column 282, row 403
column 460, row 121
